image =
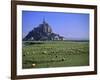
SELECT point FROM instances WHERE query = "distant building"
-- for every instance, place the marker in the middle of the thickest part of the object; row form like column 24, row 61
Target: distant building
column 44, row 27
column 42, row 32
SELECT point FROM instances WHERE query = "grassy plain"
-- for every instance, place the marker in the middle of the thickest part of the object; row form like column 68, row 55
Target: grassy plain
column 45, row 54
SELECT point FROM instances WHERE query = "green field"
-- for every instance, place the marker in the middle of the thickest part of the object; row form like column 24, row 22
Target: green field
column 46, row 54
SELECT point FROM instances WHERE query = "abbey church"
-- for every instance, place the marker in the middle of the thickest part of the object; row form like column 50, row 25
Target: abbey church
column 42, row 32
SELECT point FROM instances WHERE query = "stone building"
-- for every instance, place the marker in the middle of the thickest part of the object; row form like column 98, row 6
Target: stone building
column 42, row 32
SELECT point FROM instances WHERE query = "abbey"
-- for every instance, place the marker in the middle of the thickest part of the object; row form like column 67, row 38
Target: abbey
column 42, row 32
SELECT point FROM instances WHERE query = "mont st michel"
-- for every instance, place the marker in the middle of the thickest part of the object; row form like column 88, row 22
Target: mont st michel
column 43, row 32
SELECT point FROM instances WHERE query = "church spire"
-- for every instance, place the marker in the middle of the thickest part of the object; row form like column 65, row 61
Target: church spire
column 44, row 21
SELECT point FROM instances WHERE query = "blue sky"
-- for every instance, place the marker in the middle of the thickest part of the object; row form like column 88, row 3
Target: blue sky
column 69, row 25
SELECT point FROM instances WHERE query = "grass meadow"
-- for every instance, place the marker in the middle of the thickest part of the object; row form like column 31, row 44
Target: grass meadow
column 45, row 54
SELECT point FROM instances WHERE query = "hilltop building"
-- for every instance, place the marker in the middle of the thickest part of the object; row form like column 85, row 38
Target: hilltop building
column 41, row 33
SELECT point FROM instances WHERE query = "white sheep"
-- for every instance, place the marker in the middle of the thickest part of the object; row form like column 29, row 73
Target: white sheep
column 33, row 65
